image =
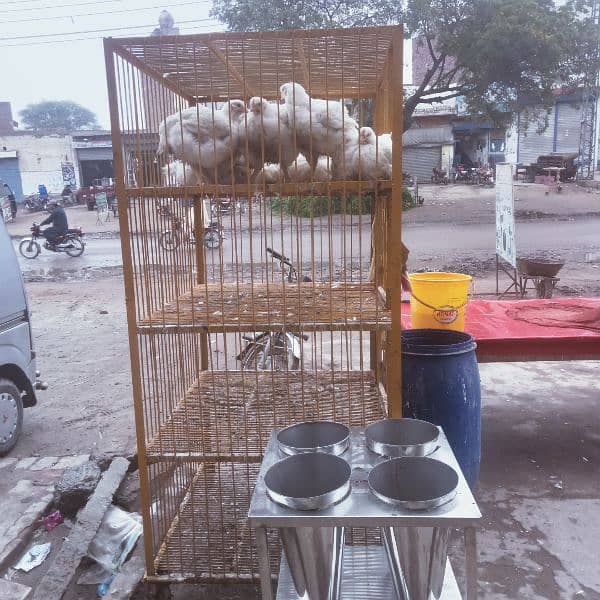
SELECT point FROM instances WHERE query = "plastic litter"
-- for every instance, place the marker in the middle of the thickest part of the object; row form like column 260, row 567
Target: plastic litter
column 34, row 557
column 105, row 585
column 53, row 520
column 116, row 537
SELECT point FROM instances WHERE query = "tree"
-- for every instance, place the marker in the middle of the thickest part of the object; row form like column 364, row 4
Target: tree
column 499, row 55
column 61, row 116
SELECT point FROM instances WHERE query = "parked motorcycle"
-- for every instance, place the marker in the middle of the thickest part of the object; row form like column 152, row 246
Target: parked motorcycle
column 171, row 239
column 483, row 176
column 463, row 174
column 71, row 243
column 439, row 176
column 275, row 350
column 35, row 203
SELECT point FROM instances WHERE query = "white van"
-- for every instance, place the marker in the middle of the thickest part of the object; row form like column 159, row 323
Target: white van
column 18, row 375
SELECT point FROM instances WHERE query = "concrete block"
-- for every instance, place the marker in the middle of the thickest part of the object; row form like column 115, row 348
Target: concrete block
column 61, row 571
column 75, row 486
column 10, row 590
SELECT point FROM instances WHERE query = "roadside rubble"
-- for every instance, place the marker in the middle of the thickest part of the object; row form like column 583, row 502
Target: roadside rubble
column 99, row 532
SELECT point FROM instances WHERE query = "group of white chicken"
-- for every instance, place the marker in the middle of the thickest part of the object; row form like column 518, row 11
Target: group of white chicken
column 302, row 139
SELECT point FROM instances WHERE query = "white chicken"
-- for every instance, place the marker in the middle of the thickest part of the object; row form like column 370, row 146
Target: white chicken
column 270, row 173
column 371, row 158
column 300, row 171
column 207, row 140
column 319, row 126
column 177, row 173
column 268, row 134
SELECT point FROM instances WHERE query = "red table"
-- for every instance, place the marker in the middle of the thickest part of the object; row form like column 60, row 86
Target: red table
column 529, row 330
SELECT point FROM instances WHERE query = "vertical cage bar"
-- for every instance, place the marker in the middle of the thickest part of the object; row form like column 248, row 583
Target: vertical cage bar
column 129, row 302
column 395, row 252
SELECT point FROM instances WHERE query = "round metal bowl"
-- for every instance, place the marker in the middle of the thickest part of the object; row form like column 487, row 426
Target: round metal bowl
column 402, row 437
column 311, row 481
column 415, row 483
column 314, row 436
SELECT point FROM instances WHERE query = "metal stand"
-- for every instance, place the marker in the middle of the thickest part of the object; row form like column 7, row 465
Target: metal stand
column 544, row 286
column 365, row 574
column 365, row 569
column 512, row 274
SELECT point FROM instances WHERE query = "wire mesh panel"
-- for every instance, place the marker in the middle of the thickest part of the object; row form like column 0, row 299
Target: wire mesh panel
column 260, row 208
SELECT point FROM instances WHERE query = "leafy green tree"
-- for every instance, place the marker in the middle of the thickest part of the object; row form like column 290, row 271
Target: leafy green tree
column 61, row 116
column 499, row 55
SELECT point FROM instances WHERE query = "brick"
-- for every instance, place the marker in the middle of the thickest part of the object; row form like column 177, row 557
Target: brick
column 44, row 463
column 66, row 462
column 10, row 590
column 7, row 461
column 25, row 463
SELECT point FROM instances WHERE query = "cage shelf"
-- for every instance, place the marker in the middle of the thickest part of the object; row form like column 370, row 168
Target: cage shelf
column 232, row 307
column 229, row 415
column 209, row 538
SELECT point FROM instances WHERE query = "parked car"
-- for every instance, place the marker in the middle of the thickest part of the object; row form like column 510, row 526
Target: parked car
column 18, row 376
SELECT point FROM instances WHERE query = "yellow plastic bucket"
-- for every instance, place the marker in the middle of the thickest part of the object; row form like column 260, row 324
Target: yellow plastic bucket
column 439, row 300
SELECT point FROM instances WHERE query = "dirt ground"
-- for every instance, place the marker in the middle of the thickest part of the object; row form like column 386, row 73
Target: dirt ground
column 84, row 355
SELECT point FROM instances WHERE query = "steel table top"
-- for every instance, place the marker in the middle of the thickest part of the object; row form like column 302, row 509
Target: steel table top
column 361, row 508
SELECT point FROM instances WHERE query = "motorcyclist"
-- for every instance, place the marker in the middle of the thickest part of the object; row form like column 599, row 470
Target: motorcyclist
column 58, row 221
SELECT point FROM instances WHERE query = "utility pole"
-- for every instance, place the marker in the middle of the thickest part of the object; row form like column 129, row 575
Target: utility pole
column 589, row 102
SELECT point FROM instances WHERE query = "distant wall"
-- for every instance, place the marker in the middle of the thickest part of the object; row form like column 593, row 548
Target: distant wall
column 40, row 159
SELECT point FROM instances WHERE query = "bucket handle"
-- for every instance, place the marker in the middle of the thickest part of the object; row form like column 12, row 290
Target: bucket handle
column 470, row 294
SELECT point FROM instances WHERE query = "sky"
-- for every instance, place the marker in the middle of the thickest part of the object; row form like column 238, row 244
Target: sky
column 44, row 57
column 52, row 49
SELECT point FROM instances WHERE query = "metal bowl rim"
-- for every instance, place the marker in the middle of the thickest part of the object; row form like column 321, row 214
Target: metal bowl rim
column 293, row 456
column 428, row 504
column 289, row 450
column 344, row 490
column 429, row 446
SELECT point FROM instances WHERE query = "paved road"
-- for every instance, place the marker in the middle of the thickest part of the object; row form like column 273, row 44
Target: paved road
column 571, row 239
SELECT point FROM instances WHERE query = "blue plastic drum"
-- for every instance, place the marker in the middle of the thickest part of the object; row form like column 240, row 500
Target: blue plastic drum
column 440, row 384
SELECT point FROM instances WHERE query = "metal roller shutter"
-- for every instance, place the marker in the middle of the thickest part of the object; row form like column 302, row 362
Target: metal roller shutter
column 95, row 153
column 533, row 144
column 568, row 125
column 420, row 161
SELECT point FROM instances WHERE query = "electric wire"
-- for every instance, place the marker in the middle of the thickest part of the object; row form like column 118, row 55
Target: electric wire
column 92, row 14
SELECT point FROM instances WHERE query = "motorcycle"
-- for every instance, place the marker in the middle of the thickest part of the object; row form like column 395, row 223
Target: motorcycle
column 171, row 239
column 484, row 176
column 463, row 174
column 275, row 350
column 439, row 176
column 71, row 243
column 35, row 203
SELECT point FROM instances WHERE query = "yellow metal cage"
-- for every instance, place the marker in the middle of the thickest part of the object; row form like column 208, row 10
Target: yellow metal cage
column 203, row 284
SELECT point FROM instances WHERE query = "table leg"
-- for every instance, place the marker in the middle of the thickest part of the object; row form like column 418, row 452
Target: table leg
column 264, row 567
column 471, row 562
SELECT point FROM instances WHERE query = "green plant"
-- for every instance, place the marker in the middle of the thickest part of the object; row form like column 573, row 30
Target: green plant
column 319, row 206
column 408, row 201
